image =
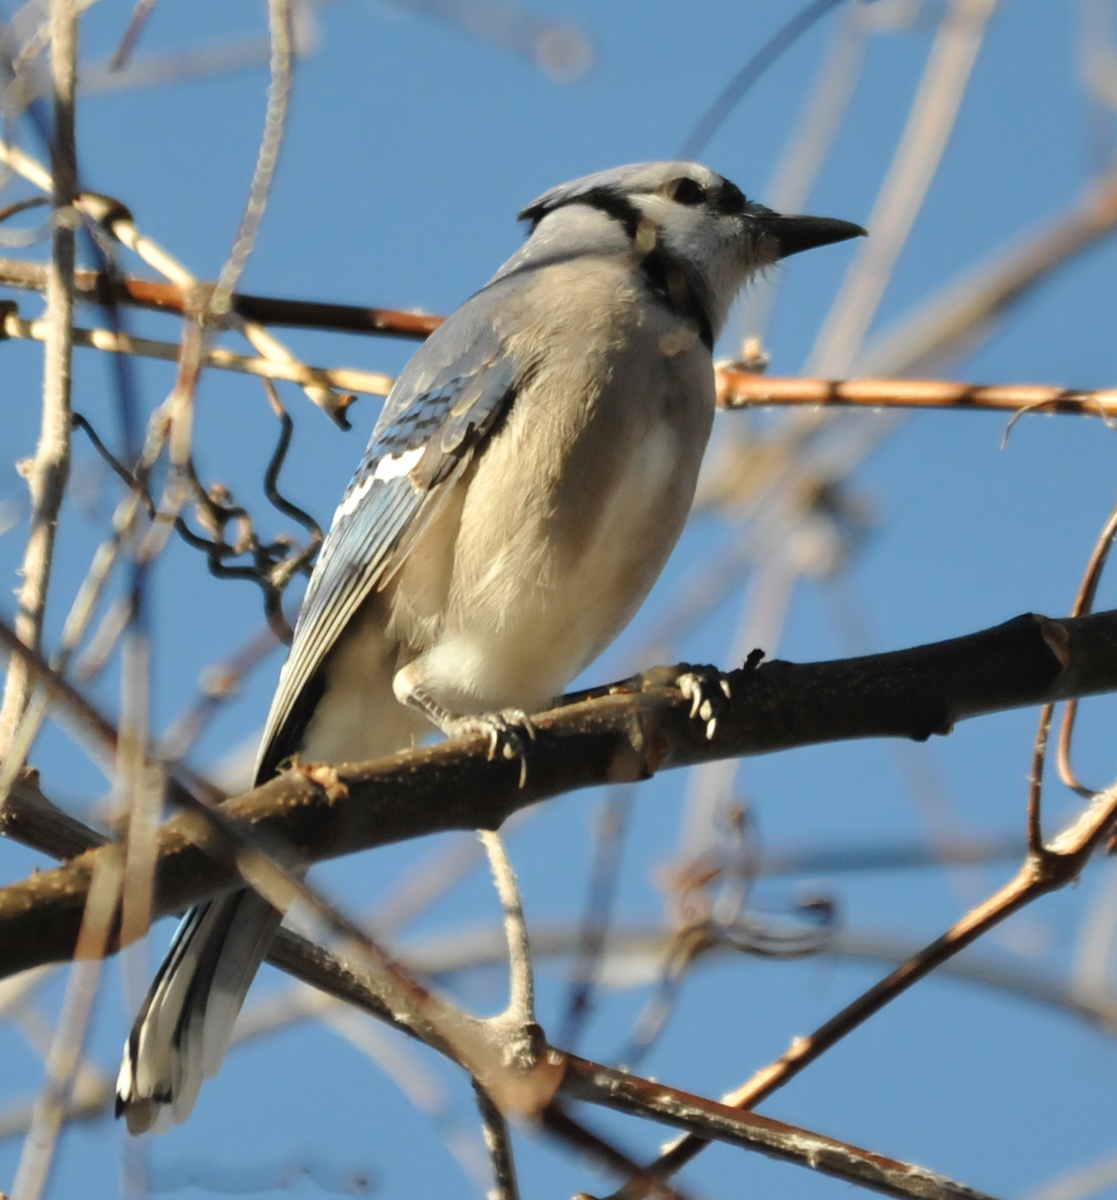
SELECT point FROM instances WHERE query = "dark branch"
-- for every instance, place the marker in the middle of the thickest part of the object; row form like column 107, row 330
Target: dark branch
column 265, row 310
column 625, row 733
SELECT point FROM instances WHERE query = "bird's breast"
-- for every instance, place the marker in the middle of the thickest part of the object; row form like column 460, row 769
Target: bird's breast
column 575, row 505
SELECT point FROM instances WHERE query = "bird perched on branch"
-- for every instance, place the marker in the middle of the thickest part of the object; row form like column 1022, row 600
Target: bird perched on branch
column 530, row 473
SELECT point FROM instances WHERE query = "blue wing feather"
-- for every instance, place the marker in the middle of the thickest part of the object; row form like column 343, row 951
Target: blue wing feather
column 451, row 395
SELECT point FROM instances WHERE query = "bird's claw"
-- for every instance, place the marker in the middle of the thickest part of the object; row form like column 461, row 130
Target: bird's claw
column 504, row 730
column 707, row 689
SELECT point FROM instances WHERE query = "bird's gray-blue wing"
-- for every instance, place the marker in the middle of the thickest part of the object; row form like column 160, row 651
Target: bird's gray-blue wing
column 452, row 394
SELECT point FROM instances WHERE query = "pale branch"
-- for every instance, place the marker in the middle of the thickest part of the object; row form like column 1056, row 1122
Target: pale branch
column 624, row 733
column 282, row 37
column 915, row 162
column 48, row 487
column 596, row 1084
column 960, row 317
column 498, row 1141
column 49, row 472
column 370, row 383
column 116, row 219
column 744, row 389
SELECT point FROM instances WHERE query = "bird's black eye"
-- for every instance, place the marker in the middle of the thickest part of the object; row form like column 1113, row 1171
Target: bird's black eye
column 687, row 191
column 731, row 199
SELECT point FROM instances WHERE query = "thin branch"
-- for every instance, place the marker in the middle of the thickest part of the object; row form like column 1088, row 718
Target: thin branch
column 263, row 310
column 65, row 1058
column 930, row 122
column 370, row 383
column 1079, row 1183
column 803, row 158
column 1084, row 603
column 275, row 123
column 736, row 388
column 1058, row 863
column 498, row 1140
column 521, row 999
column 740, row 389
column 561, row 1126
column 217, row 685
column 273, row 565
column 123, row 52
column 728, row 98
column 627, row 1093
column 962, row 315
column 612, row 822
column 116, row 219
column 50, row 469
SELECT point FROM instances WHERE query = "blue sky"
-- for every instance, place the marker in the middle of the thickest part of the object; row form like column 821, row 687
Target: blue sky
column 411, row 147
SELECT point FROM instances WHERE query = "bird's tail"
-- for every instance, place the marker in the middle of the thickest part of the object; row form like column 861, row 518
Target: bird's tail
column 184, row 1026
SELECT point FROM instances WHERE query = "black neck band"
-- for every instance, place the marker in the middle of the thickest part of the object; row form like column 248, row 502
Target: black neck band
column 667, row 278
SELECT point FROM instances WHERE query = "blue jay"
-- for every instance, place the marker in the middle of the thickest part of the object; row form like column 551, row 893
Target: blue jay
column 529, row 474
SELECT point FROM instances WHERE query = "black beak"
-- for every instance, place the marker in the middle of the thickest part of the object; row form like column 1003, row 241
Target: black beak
column 794, row 234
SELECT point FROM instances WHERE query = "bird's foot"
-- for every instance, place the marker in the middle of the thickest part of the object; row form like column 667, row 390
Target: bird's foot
column 707, row 689
column 509, row 730
column 504, row 729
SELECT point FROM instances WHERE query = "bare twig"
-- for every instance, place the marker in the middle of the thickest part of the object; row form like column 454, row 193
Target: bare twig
column 116, row 218
column 901, row 196
column 805, row 154
column 731, row 94
column 722, row 1122
column 272, row 565
column 275, row 122
column 561, row 1126
column 49, row 471
column 64, row 1060
column 521, row 998
column 498, row 1139
column 961, row 316
column 216, row 686
column 264, row 310
column 367, row 382
column 1055, row 865
column 140, row 14
column 736, row 389
column 612, row 821
column 1079, row 1183
column 739, row 389
column 1084, row 603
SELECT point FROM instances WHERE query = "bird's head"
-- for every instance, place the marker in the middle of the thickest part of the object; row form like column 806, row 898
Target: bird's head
column 693, row 219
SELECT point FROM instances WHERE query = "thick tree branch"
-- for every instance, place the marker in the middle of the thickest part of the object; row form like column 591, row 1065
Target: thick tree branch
column 626, row 733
